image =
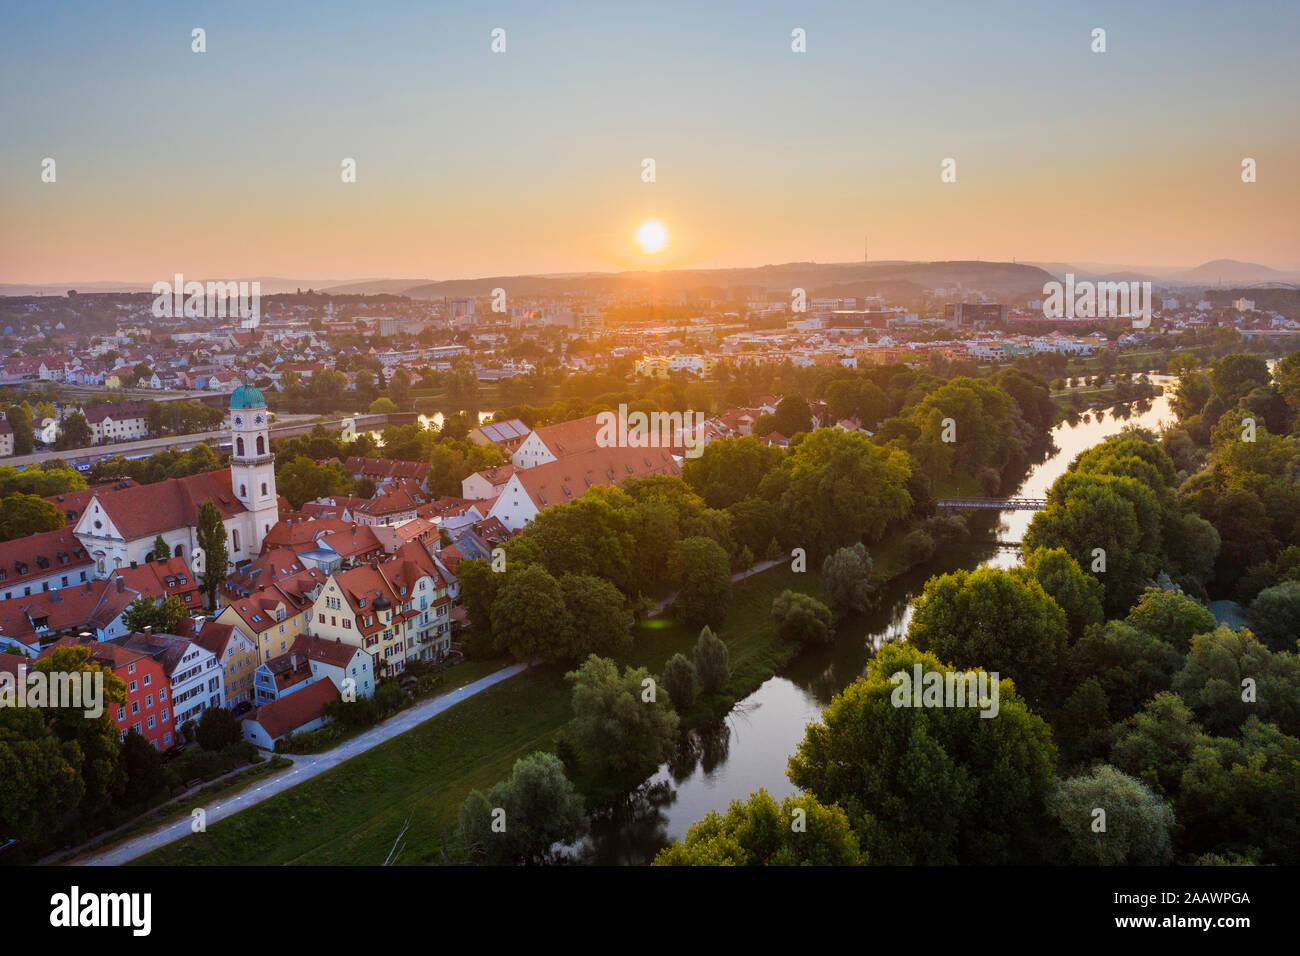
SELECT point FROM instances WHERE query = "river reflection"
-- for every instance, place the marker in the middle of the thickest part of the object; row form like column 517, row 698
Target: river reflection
column 749, row 748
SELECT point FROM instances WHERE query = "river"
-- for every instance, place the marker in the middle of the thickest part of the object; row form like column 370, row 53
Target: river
column 749, row 748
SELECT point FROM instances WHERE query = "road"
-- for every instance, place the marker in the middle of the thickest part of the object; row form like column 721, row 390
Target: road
column 283, row 424
column 304, row 767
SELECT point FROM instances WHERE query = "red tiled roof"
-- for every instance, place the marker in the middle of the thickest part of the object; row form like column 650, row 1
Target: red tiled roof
column 37, row 555
column 567, row 479
column 293, row 710
column 94, row 604
column 314, row 648
column 570, row 438
column 142, row 511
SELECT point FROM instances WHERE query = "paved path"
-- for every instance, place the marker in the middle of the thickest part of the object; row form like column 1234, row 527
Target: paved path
column 305, row 766
column 738, row 576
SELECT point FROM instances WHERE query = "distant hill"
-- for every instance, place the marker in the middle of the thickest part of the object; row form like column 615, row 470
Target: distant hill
column 1003, row 279
column 1231, row 270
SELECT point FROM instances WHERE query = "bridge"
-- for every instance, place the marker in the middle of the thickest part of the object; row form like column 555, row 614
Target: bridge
column 996, row 504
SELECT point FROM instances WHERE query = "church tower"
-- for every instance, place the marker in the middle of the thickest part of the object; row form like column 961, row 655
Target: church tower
column 252, row 466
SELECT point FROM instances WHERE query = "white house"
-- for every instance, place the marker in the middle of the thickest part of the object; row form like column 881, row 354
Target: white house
column 196, row 678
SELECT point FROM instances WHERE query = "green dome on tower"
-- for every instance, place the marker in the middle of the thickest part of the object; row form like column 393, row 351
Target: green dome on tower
column 246, row 396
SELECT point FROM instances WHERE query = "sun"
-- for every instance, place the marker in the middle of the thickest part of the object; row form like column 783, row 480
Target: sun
column 652, row 237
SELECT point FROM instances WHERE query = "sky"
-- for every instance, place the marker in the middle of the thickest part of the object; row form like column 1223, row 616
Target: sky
column 227, row 164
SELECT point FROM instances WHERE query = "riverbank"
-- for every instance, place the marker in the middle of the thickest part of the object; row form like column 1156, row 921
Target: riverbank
column 351, row 813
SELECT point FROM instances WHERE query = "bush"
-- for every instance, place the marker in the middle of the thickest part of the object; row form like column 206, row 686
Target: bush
column 846, row 579
column 712, row 663
column 802, row 618
column 680, row 681
column 918, row 547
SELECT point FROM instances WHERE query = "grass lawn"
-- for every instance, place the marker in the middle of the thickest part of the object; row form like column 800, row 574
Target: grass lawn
column 352, row 814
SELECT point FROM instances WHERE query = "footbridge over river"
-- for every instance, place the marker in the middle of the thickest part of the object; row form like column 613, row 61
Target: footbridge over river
column 996, row 504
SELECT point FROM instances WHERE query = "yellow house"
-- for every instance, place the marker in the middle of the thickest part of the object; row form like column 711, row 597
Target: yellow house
column 356, row 607
column 274, row 614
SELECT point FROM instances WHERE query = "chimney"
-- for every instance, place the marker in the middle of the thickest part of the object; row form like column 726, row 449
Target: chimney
column 120, row 585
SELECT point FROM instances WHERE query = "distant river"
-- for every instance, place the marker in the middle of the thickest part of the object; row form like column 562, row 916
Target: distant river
column 749, row 748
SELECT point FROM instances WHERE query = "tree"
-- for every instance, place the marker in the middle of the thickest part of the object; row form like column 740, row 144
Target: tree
column 74, row 431
column 1082, row 728
column 1079, row 594
column 40, row 776
column 163, row 616
column 1130, row 666
column 1287, row 376
column 599, row 621
column 160, row 550
column 818, row 489
column 145, row 775
column 1138, row 824
column 218, row 728
column 301, row 480
column 24, row 515
column 930, row 785
column 1157, row 743
column 1171, row 616
column 211, row 534
column 712, row 663
column 20, row 420
column 799, row 831
column 1275, row 616
column 1119, row 515
column 521, row 818
column 97, row 738
column 382, row 406
column 1235, row 375
column 399, row 388
column 730, row 470
column 680, row 681
column 846, row 579
column 995, row 619
column 619, row 731
column 702, row 572
column 791, row 417
column 528, row 615
column 1215, row 675
column 801, row 618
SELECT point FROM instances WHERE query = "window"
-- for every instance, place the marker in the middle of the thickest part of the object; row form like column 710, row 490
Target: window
column 148, row 679
column 162, row 695
column 133, row 683
column 148, row 700
column 261, row 450
column 239, row 446
column 263, row 483
column 151, row 723
column 234, row 535
column 121, row 713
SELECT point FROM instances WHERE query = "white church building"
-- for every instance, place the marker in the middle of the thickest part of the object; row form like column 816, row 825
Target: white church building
column 120, row 525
